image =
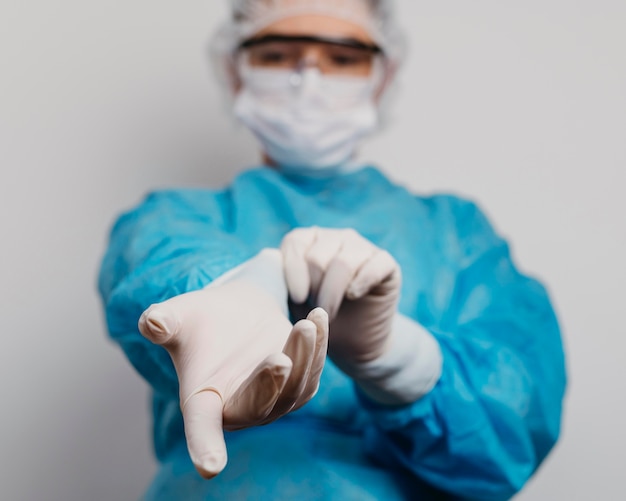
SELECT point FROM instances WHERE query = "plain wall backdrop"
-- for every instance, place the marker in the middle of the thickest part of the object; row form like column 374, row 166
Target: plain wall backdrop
column 519, row 105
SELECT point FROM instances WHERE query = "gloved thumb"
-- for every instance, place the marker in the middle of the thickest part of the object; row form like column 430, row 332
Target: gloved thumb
column 159, row 324
column 202, row 415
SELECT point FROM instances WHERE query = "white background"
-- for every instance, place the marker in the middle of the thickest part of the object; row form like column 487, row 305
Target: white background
column 520, row 105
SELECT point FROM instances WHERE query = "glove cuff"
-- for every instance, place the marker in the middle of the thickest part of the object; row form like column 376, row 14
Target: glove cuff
column 265, row 270
column 407, row 371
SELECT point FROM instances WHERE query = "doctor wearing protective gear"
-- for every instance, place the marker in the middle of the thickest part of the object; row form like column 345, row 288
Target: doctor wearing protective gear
column 314, row 331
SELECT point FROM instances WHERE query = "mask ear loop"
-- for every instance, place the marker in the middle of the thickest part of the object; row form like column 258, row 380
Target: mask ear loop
column 241, row 63
column 383, row 73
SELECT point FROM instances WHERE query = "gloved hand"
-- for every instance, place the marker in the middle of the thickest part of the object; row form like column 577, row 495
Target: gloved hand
column 392, row 358
column 357, row 283
column 239, row 361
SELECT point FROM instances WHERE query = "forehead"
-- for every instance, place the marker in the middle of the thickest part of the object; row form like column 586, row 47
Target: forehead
column 316, row 25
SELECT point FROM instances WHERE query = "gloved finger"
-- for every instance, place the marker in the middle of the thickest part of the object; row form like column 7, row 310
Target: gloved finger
column 322, row 251
column 202, row 415
column 257, row 395
column 159, row 324
column 380, row 269
column 341, row 271
column 294, row 248
column 300, row 348
column 320, row 318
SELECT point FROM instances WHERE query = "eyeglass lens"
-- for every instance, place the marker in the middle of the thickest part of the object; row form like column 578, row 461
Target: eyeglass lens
column 331, row 58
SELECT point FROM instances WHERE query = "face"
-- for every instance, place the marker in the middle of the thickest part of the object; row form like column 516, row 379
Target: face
column 313, row 122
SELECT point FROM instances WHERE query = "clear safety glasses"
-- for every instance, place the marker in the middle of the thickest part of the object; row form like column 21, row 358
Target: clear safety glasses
column 335, row 57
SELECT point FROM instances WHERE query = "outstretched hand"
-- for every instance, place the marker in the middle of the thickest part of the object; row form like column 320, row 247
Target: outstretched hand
column 239, row 360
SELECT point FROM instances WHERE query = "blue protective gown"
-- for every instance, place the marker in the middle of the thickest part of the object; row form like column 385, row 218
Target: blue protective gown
column 479, row 434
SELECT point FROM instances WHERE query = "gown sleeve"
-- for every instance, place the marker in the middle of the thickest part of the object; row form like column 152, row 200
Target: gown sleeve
column 172, row 243
column 495, row 413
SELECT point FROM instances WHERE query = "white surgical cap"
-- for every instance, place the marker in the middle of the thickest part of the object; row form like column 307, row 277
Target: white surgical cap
column 375, row 16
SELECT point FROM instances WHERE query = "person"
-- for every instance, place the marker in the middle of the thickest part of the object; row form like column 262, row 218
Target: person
column 313, row 330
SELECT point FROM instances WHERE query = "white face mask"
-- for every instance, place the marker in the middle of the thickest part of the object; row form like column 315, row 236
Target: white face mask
column 307, row 121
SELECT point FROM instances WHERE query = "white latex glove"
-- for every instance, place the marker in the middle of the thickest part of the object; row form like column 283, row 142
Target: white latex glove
column 392, row 358
column 239, row 360
column 330, row 265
